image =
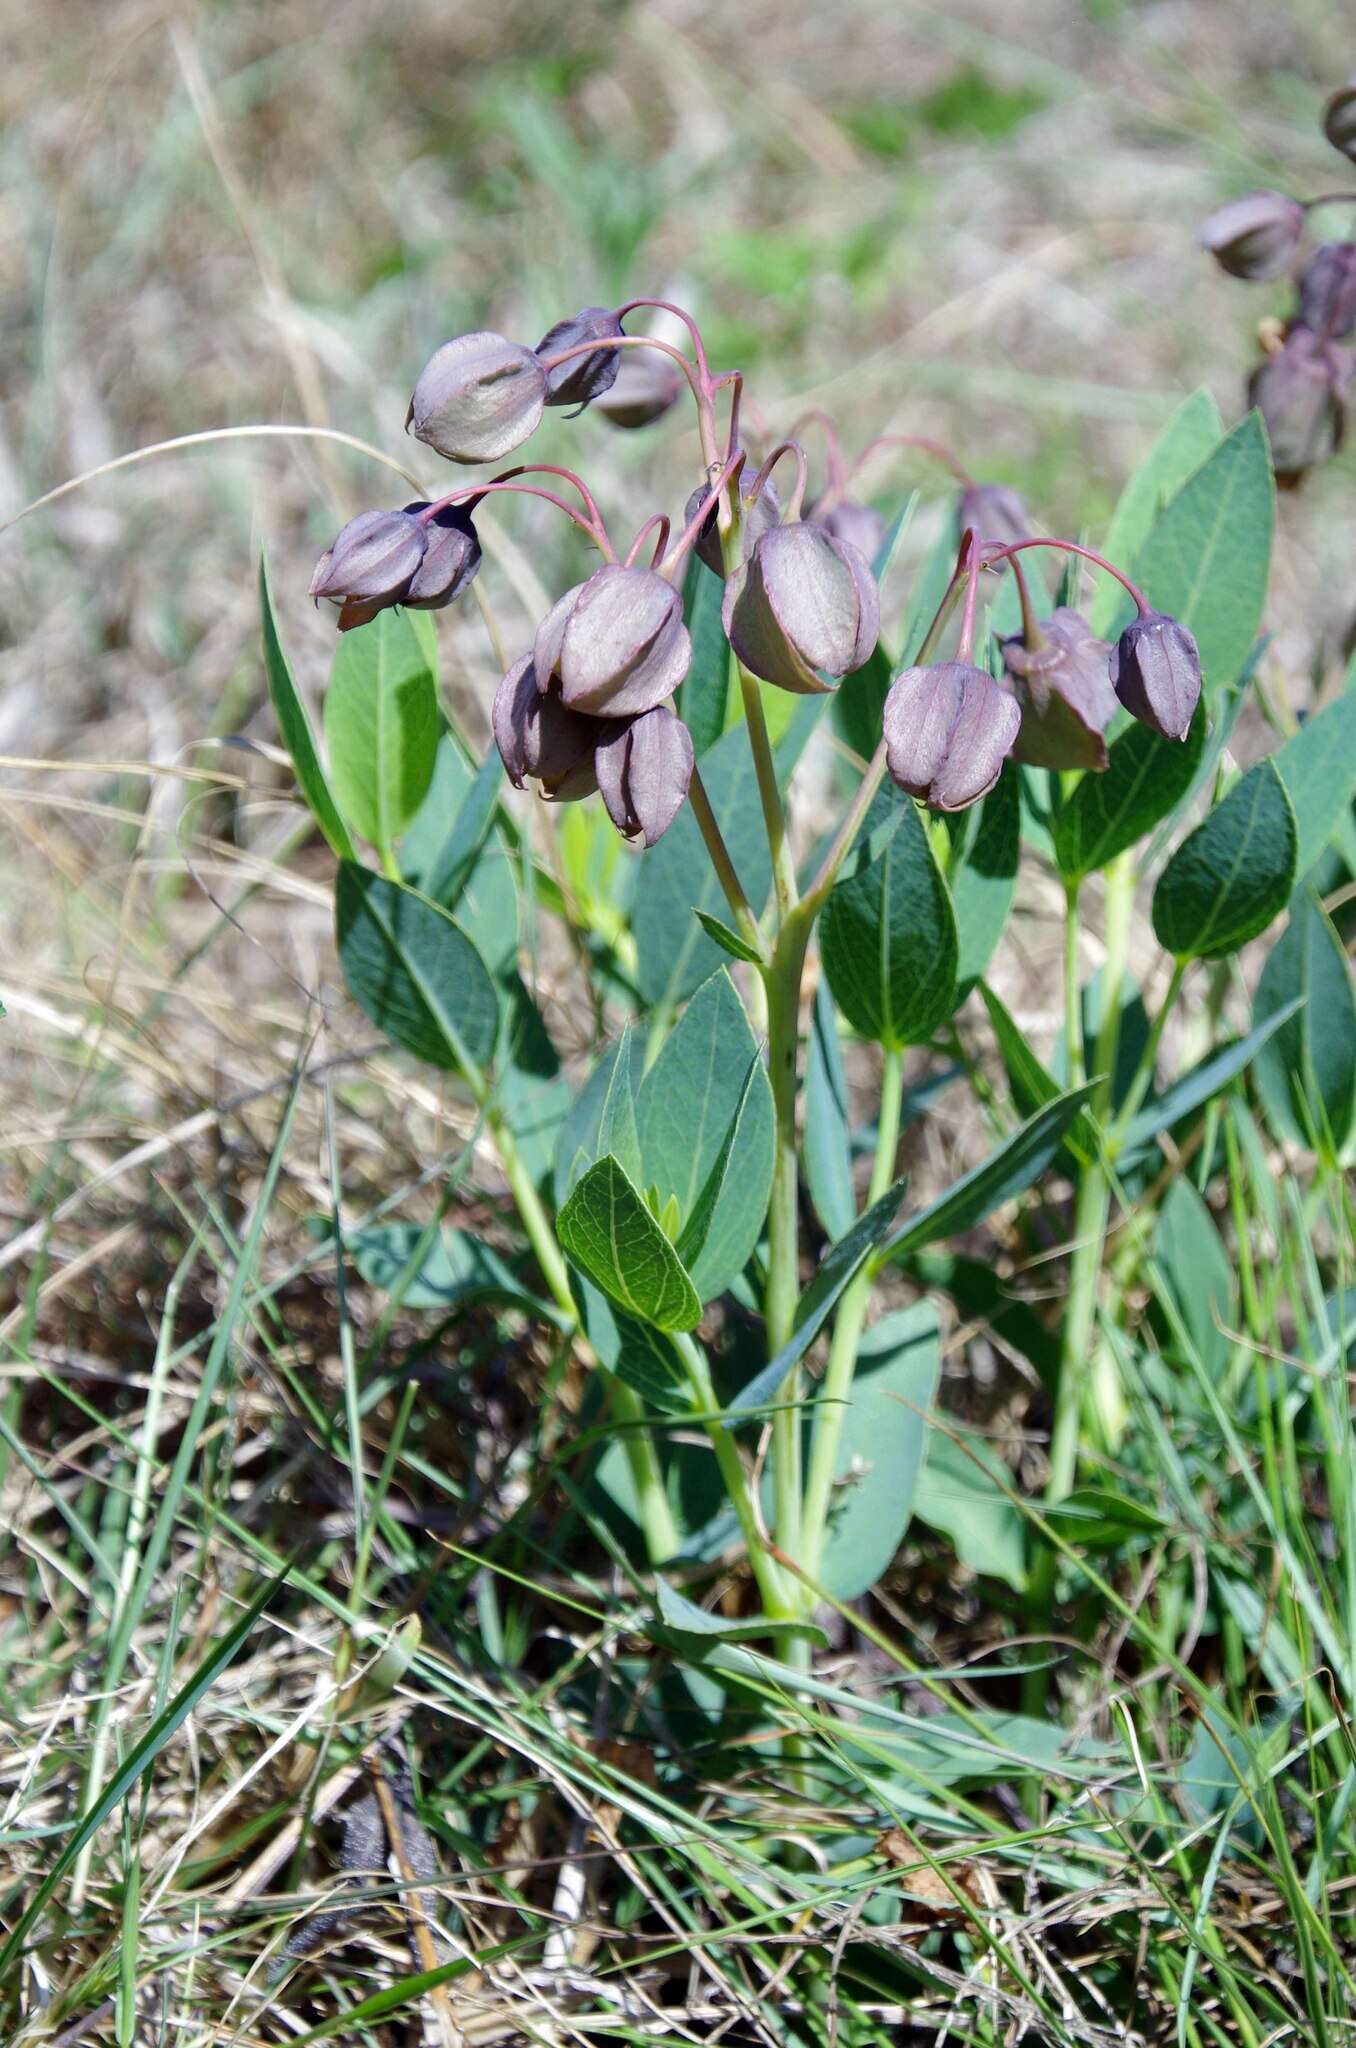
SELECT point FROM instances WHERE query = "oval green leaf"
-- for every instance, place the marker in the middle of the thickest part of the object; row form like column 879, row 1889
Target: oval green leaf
column 607, row 1230
column 888, row 937
column 1233, row 874
column 382, row 726
column 414, row 971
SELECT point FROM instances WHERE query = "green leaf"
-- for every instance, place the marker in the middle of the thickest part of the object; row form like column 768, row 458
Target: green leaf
column 580, row 1141
column 1306, row 1072
column 1183, row 445
column 881, row 1451
column 414, row 971
column 696, row 1629
column 607, row 1230
column 1033, row 1085
column 295, row 728
column 1318, row 768
column 1145, row 777
column 887, row 937
column 1233, row 874
column 641, row 1356
column 453, row 854
column 963, row 1491
column 1007, row 1172
column 704, row 691
column 728, row 941
column 1208, row 558
column 1100, row 1519
column 454, row 1267
column 983, row 880
column 704, row 1119
column 381, row 725
column 1200, row 1085
column 1198, row 1272
column 828, row 1143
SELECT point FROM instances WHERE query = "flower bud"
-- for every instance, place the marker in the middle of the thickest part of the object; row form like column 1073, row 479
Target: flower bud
column 1339, row 121
column 451, row 558
column 617, row 643
column 804, row 605
column 1327, row 291
column 860, row 525
column 583, row 378
column 478, row 397
column 644, row 769
column 539, row 739
column 1156, row 673
column 372, row 562
column 1301, row 393
column 994, row 513
column 1064, row 693
column 647, row 384
column 948, row 730
column 1256, row 236
column 760, row 515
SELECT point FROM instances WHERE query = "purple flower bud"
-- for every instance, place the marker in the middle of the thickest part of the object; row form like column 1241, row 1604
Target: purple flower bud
column 759, row 517
column 1156, row 673
column 1301, row 393
column 1339, row 121
column 373, row 560
column 860, row 525
column 1064, row 692
column 451, row 558
column 1327, row 291
column 803, row 606
column 539, row 739
column 583, row 378
column 478, row 397
column 647, row 384
column 994, row 513
column 948, row 730
column 617, row 643
column 1256, row 236
column 644, row 769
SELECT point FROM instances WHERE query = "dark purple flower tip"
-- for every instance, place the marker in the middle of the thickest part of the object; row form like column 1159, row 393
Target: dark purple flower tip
column 451, row 558
column 760, row 515
column 860, row 525
column 803, row 606
column 1301, row 393
column 1064, row 692
column 1327, row 291
column 617, row 643
column 1156, row 673
column 993, row 513
column 1256, row 236
column 539, row 740
column 644, row 769
column 477, row 398
column 583, row 378
column 647, row 384
column 948, row 730
column 1339, row 121
column 373, row 560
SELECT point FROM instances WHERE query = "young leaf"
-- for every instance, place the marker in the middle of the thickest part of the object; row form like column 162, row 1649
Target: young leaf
column 1144, row 778
column 641, row 1356
column 607, row 1230
column 1199, row 1273
column 1183, row 445
column 295, row 728
column 414, row 972
column 963, row 1492
column 728, row 941
column 705, row 689
column 704, row 1119
column 983, row 881
column 1318, row 768
column 580, row 1140
column 381, row 726
column 881, row 1450
column 828, row 1147
column 455, row 1267
column 888, row 937
column 1200, row 1085
column 695, row 1630
column 453, row 853
column 1033, row 1085
column 1233, row 874
column 1306, row 1072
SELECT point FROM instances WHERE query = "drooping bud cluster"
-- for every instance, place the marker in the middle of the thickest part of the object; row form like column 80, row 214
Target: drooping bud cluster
column 1301, row 387
column 422, row 557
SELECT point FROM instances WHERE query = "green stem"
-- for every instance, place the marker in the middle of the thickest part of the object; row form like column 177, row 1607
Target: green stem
column 1144, row 1073
column 769, row 794
column 831, row 1410
column 779, row 1601
column 1073, row 995
column 740, row 907
column 782, row 983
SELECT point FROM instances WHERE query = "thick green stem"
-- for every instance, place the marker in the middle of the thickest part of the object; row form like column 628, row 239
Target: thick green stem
column 779, row 1600
column 740, row 908
column 1073, row 994
column 769, row 794
column 831, row 1410
column 782, row 983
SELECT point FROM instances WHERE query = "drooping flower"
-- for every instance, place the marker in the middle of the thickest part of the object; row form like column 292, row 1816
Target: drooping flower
column 477, row 398
column 949, row 727
column 1257, row 236
column 1064, row 691
column 643, row 770
column 802, row 607
column 1156, row 673
column 617, row 642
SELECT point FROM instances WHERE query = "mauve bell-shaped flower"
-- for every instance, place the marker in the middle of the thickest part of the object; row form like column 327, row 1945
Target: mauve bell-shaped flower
column 803, row 606
column 1327, row 291
column 759, row 516
column 948, row 730
column 994, row 513
column 1064, row 692
column 1156, row 673
column 1256, row 236
column 372, row 562
column 644, row 769
column 583, row 378
column 860, row 525
column 451, row 558
column 1301, row 393
column 539, row 740
column 477, row 398
column 1339, row 121
column 617, row 643
column 647, row 384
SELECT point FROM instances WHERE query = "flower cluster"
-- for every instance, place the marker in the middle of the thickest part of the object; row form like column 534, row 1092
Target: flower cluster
column 590, row 708
column 1301, row 387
